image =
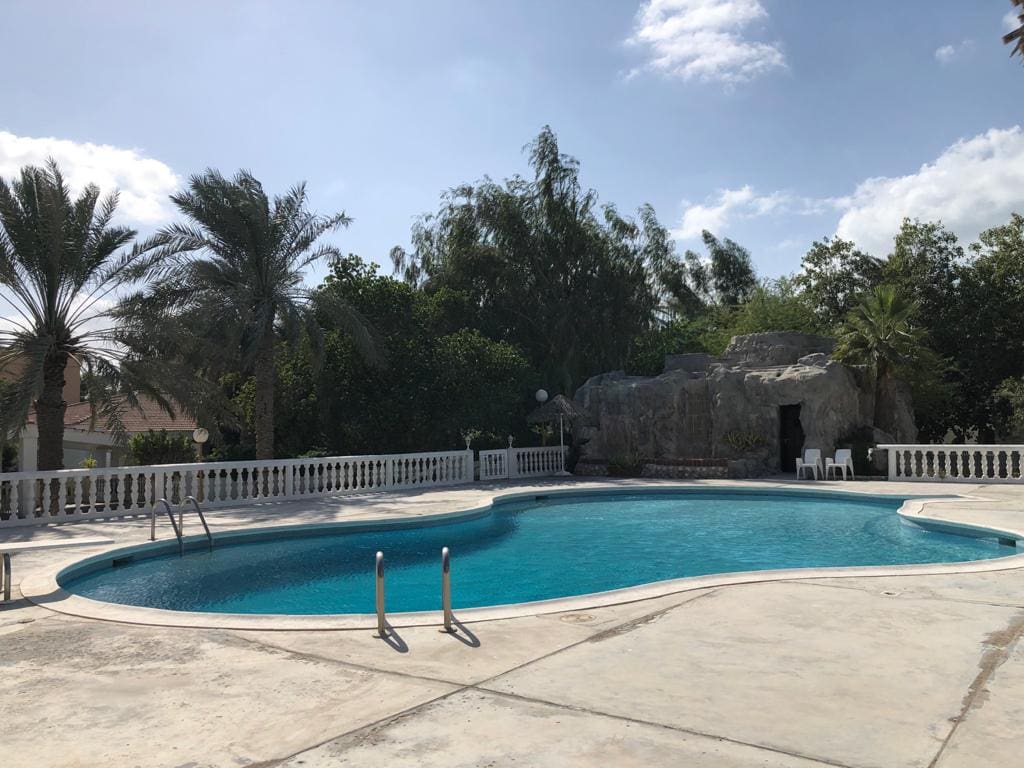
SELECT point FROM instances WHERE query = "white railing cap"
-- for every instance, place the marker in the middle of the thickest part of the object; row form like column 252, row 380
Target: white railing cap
column 953, row 446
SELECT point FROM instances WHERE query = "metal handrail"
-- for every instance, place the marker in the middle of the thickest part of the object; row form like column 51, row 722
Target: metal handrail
column 446, row 588
column 202, row 518
column 382, row 627
column 170, row 515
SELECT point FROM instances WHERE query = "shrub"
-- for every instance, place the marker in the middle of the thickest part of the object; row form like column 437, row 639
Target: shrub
column 626, row 466
column 160, row 448
column 859, row 441
column 744, row 442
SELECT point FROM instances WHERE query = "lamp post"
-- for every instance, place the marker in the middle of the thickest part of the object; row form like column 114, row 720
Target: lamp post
column 542, row 397
column 200, row 436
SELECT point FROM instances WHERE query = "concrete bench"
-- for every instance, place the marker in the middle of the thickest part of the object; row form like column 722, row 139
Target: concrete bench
column 13, row 547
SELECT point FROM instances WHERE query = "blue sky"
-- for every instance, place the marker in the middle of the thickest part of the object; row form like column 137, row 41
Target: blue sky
column 774, row 122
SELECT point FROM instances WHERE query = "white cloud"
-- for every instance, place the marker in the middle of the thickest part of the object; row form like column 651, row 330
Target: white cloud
column 974, row 184
column 947, row 53
column 144, row 183
column 703, row 40
column 743, row 203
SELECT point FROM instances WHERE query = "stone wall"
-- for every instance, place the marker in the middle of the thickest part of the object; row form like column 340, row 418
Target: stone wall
column 700, row 405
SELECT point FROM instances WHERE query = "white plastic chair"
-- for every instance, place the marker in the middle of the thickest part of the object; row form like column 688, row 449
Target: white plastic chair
column 811, row 462
column 840, row 464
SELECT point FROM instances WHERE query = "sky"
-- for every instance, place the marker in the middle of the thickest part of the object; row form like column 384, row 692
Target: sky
column 772, row 122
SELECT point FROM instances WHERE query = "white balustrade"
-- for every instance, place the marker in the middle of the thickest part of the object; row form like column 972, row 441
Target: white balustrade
column 521, row 462
column 494, row 464
column 536, row 462
column 956, row 463
column 34, row 498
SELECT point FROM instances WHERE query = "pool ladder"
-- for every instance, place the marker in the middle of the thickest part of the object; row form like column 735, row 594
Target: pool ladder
column 179, row 525
column 446, row 592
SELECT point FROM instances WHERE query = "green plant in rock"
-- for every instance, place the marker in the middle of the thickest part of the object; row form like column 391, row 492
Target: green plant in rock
column 626, row 465
column 744, row 442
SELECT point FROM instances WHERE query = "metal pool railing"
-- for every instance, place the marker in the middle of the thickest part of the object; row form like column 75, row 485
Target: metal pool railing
column 446, row 592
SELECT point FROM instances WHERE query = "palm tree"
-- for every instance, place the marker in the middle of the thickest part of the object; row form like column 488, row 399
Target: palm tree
column 880, row 333
column 232, row 276
column 60, row 260
column 1016, row 36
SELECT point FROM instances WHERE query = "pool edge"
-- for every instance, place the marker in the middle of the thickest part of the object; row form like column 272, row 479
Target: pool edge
column 44, row 590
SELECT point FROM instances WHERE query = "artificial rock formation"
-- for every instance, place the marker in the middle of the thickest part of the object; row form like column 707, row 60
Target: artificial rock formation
column 732, row 407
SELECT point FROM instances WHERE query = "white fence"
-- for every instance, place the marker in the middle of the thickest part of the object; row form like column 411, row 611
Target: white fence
column 956, row 463
column 34, row 498
column 521, row 462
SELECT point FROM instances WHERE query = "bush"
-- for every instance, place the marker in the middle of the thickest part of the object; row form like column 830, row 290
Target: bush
column 10, row 458
column 160, row 448
column 859, row 441
column 626, row 466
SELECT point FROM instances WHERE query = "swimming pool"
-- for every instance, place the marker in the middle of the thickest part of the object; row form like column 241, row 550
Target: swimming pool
column 524, row 550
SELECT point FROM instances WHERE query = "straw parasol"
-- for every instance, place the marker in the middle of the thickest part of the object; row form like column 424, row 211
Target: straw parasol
column 560, row 409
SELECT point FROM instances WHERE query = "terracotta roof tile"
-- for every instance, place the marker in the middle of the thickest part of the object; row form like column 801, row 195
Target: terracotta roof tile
column 148, row 415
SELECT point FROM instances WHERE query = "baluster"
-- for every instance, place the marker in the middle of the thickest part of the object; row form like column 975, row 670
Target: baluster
column 62, row 497
column 16, row 499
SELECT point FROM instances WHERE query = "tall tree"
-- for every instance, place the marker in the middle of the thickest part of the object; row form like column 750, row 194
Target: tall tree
column 928, row 263
column 232, row 275
column 835, row 275
column 986, row 324
column 727, row 276
column 880, row 334
column 546, row 267
column 61, row 258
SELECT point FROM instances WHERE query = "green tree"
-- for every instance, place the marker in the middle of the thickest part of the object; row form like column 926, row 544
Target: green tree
column 60, row 260
column 232, row 275
column 726, row 277
column 927, row 262
column 985, row 325
column 647, row 356
column 834, row 276
column 160, row 448
column 1009, row 399
column 546, row 268
column 879, row 333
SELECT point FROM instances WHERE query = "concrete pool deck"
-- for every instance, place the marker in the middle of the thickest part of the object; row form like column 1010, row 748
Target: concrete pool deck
column 906, row 670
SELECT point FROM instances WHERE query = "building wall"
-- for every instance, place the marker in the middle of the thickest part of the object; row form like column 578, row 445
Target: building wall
column 72, row 378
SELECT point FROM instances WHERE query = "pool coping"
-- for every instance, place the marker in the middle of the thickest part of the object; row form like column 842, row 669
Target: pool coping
column 44, row 590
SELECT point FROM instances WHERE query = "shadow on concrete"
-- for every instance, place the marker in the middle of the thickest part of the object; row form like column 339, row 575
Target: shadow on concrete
column 394, row 640
column 464, row 634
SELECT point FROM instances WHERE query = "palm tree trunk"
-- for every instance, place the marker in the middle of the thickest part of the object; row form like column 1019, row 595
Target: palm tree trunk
column 265, row 375
column 50, row 409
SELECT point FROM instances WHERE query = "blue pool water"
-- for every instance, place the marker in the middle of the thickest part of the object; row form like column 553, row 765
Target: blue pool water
column 533, row 550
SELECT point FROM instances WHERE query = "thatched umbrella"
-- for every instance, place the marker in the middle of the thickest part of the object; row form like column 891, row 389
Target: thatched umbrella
column 560, row 409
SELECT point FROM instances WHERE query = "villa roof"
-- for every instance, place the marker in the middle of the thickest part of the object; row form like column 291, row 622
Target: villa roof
column 146, row 416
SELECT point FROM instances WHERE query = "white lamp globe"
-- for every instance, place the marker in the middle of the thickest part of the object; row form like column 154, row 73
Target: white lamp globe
column 542, row 396
column 200, row 435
